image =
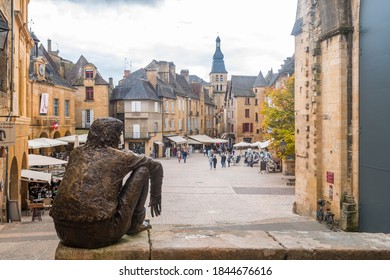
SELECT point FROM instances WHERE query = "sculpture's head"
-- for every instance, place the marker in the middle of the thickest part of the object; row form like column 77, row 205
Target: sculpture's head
column 105, row 132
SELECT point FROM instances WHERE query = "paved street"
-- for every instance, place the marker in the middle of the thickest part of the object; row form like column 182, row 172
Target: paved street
column 236, row 197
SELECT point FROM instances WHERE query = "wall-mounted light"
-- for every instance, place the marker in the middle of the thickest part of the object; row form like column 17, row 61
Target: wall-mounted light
column 3, row 33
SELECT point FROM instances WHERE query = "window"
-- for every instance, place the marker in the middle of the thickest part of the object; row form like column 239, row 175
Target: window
column 172, row 124
column 166, row 124
column 180, row 124
column 136, row 131
column 89, row 93
column 89, row 74
column 155, row 127
column 247, row 101
column 246, row 113
column 87, row 118
column 66, row 108
column 247, row 127
column 256, row 102
column 166, row 106
column 216, row 78
column 173, row 106
column 56, row 107
column 257, row 117
column 136, row 106
column 156, row 107
column 221, row 78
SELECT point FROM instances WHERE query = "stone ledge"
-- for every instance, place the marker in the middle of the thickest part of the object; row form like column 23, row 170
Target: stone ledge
column 187, row 244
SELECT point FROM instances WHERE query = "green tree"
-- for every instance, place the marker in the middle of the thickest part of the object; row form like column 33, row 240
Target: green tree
column 279, row 120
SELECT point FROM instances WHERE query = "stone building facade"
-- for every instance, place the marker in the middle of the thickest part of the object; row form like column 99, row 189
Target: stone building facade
column 326, row 103
column 14, row 103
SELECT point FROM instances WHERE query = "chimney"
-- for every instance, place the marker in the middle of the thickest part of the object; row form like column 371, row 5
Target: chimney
column 164, row 71
column 126, row 73
column 48, row 45
column 186, row 74
column 111, row 82
column 151, row 75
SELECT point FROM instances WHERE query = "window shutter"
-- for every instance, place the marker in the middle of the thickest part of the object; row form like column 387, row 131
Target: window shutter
column 83, row 118
column 92, row 117
column 251, row 127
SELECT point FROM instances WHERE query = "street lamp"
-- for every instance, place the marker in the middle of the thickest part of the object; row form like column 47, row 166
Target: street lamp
column 3, row 33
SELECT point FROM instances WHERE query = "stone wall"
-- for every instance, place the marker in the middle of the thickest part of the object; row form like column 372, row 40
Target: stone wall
column 325, row 84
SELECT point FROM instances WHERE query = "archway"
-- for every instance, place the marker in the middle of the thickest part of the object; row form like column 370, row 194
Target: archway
column 14, row 190
column 24, row 184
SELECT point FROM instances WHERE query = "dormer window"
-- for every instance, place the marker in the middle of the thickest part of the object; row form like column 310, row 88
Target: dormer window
column 89, row 74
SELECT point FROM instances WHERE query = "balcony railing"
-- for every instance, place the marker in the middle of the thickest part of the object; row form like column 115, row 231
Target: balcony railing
column 137, row 135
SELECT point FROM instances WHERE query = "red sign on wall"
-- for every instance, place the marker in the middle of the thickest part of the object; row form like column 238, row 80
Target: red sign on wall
column 330, row 177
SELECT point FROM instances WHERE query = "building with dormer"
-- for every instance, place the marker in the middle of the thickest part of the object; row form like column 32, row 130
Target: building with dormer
column 52, row 101
column 92, row 93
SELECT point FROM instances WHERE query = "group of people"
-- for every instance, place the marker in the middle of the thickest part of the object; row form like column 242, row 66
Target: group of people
column 226, row 156
column 181, row 153
column 39, row 191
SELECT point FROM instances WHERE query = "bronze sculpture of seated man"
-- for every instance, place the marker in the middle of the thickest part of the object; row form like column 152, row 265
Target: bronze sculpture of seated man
column 93, row 208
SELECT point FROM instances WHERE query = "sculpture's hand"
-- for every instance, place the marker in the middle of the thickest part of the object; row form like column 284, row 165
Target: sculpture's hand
column 155, row 205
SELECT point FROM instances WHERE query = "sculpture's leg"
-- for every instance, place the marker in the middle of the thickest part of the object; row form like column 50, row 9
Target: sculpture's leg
column 131, row 209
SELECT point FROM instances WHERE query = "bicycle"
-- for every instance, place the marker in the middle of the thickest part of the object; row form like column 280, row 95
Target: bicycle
column 325, row 215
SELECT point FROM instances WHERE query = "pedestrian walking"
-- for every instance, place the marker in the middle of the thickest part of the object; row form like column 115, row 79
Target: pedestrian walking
column 215, row 162
column 185, row 154
column 223, row 160
column 229, row 159
column 178, row 154
column 211, row 162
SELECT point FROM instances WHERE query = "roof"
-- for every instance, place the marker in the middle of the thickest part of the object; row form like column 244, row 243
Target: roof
column 241, row 86
column 51, row 72
column 260, row 81
column 218, row 65
column 196, row 79
column 139, row 89
column 76, row 74
column 297, row 28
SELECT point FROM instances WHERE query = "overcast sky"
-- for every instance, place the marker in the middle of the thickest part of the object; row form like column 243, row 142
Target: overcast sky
column 128, row 34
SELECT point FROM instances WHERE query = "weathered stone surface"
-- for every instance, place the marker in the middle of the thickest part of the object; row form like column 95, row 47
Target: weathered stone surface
column 214, row 245
column 135, row 247
column 333, row 245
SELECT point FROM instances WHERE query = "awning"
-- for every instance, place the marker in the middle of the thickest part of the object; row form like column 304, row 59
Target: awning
column 260, row 145
column 177, row 139
column 30, row 175
column 206, row 139
column 37, row 160
column 193, row 142
column 82, row 138
column 45, row 143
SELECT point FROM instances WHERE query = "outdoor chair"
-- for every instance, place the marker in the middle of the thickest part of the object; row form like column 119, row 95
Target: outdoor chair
column 47, row 201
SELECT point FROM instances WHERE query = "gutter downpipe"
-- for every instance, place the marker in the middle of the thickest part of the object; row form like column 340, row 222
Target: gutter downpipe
column 7, row 189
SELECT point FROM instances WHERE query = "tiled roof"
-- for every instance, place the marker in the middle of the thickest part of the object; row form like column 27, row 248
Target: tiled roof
column 260, row 81
column 51, row 74
column 140, row 89
column 76, row 75
column 196, row 79
column 241, row 86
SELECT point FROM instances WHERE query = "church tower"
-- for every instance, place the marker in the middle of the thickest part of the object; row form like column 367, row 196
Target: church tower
column 218, row 80
column 218, row 74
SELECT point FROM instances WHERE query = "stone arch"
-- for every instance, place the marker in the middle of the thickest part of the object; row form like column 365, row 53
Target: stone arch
column 24, row 184
column 57, row 134
column 14, row 189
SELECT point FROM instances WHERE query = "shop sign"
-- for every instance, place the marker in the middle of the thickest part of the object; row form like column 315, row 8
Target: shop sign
column 7, row 134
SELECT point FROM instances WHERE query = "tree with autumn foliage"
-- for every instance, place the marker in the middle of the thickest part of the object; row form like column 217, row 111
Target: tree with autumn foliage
column 279, row 120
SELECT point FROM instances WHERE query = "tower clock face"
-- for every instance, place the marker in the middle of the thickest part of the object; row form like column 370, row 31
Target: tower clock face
column 41, row 69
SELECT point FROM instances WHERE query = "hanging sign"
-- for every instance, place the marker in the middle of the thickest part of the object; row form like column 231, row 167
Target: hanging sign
column 7, row 134
column 44, row 103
